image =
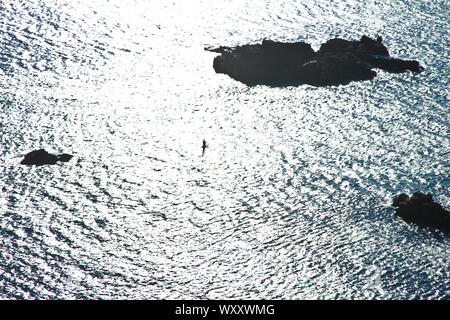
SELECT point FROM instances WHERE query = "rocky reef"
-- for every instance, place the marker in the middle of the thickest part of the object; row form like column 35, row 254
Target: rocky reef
column 41, row 157
column 338, row 61
column 421, row 209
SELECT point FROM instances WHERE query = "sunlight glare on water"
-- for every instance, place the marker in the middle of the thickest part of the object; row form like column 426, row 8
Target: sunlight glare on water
column 292, row 197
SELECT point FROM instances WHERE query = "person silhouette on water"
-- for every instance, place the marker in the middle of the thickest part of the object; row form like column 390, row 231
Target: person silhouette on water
column 204, row 146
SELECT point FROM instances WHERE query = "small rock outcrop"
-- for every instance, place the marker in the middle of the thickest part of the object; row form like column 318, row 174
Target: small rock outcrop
column 41, row 157
column 337, row 61
column 421, row 209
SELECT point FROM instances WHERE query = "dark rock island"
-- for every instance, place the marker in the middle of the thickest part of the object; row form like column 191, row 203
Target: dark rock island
column 41, row 157
column 421, row 209
column 337, row 61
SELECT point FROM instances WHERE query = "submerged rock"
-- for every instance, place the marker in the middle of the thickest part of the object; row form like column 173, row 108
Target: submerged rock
column 41, row 157
column 396, row 65
column 421, row 208
column 337, row 61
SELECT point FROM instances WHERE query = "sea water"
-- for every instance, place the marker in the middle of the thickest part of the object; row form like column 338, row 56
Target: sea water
column 292, row 198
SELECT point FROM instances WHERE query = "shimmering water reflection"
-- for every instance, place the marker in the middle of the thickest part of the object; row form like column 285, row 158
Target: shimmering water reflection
column 292, row 198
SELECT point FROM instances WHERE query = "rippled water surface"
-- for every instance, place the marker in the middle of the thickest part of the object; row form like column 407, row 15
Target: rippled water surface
column 292, row 198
